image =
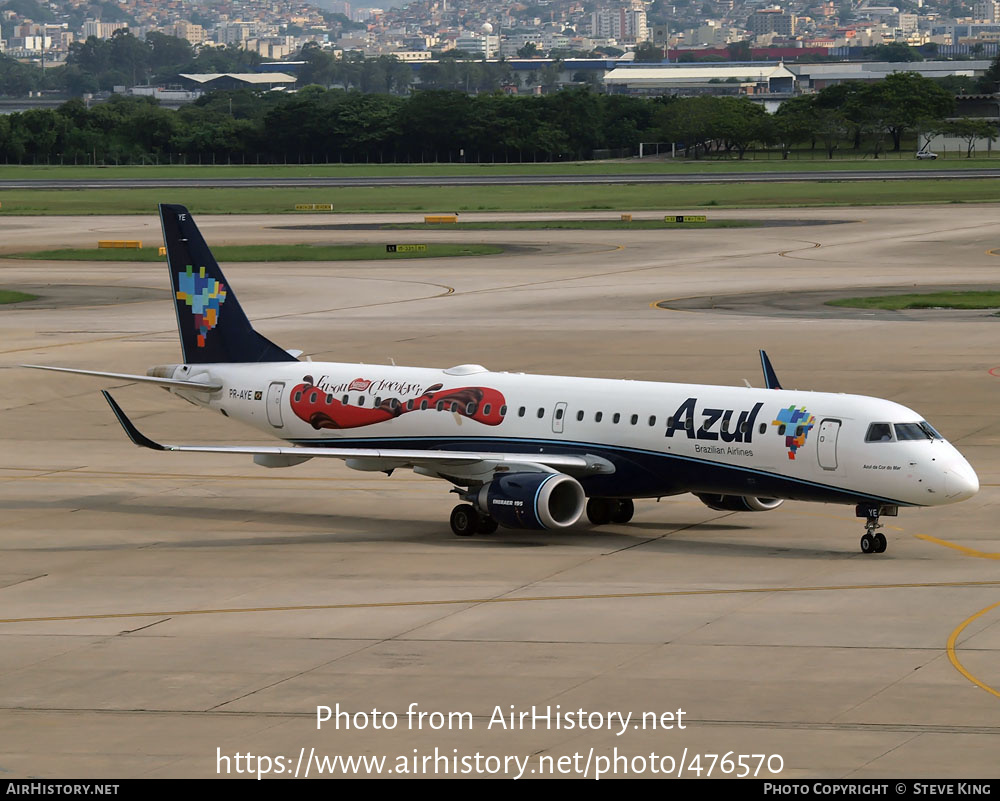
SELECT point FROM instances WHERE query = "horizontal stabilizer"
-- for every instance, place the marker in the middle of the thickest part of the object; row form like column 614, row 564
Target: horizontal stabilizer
column 143, row 379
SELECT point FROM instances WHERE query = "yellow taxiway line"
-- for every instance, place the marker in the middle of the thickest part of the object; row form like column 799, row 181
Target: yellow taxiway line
column 953, row 658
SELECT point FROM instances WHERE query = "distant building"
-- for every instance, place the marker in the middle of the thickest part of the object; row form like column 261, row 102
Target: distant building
column 236, row 80
column 693, row 79
column 908, row 24
column 485, row 45
column 271, row 47
column 511, row 44
column 195, row 34
column 713, row 35
column 771, row 20
column 412, row 55
column 102, row 30
column 626, row 24
column 986, row 11
column 235, row 32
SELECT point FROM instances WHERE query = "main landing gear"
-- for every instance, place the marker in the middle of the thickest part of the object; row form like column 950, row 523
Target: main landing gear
column 466, row 521
column 873, row 541
column 601, row 511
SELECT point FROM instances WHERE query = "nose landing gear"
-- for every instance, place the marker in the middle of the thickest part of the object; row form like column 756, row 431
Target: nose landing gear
column 873, row 541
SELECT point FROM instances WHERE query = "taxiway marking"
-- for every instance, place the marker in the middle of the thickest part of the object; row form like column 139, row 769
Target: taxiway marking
column 953, row 657
column 507, row 600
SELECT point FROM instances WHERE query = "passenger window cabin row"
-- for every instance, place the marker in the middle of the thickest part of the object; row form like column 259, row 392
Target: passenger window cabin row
column 471, row 408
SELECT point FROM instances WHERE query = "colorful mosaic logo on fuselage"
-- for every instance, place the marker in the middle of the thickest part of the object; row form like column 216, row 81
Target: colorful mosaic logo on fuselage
column 794, row 424
column 204, row 296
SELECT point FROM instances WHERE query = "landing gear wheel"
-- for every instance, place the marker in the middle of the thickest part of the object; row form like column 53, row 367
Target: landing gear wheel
column 872, row 541
column 464, row 520
column 622, row 511
column 486, row 525
column 599, row 511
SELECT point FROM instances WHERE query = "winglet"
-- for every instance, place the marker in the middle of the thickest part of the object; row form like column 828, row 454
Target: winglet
column 134, row 434
column 770, row 378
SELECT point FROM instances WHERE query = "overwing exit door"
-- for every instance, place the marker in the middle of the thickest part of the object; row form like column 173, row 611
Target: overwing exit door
column 558, row 418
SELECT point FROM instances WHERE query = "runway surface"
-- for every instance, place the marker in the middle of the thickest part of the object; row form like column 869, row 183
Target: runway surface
column 160, row 611
column 502, row 180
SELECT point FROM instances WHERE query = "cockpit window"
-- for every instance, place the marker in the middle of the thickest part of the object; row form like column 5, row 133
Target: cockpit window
column 879, row 432
column 929, row 429
column 909, row 431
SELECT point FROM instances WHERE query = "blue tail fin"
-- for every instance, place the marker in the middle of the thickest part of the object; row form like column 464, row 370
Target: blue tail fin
column 212, row 325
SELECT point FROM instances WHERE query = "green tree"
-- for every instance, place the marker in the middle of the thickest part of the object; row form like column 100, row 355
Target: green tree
column 129, row 55
column 740, row 122
column 970, row 129
column 16, row 79
column 319, row 67
column 92, row 56
column 830, row 126
column 990, row 81
column 29, row 9
column 958, row 84
column 690, row 121
column 739, row 51
column 905, row 100
column 895, row 51
column 793, row 122
column 649, row 53
column 167, row 53
column 549, row 78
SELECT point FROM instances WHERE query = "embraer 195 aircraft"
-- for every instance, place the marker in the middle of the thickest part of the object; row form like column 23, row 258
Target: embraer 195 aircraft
column 534, row 451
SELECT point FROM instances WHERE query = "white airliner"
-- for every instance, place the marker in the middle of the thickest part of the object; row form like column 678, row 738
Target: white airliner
column 535, row 451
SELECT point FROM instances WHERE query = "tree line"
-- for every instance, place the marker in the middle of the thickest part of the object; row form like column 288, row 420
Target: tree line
column 868, row 118
column 316, row 125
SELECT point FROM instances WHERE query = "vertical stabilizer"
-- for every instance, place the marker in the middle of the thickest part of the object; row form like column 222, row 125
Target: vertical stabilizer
column 212, row 325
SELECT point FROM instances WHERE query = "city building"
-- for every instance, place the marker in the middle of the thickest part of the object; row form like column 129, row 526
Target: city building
column 771, row 20
column 624, row 23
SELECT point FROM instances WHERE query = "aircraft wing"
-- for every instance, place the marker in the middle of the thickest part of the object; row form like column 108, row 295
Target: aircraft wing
column 431, row 461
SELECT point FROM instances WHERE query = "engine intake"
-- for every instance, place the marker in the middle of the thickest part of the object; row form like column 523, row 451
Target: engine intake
column 533, row 500
column 739, row 503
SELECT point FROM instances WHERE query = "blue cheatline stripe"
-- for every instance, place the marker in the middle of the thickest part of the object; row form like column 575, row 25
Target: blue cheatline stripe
column 538, row 492
column 554, row 445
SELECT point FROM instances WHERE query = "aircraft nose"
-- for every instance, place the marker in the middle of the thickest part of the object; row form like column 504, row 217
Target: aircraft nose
column 960, row 481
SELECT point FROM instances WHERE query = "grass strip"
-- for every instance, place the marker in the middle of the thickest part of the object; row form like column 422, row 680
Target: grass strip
column 9, row 296
column 265, row 253
column 928, row 300
column 613, row 225
column 451, row 199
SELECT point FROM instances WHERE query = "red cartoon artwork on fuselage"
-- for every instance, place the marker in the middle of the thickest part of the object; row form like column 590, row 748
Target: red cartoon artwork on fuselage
column 324, row 410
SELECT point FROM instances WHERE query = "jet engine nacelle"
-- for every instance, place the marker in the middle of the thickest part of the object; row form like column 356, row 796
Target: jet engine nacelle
column 533, row 500
column 739, row 503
